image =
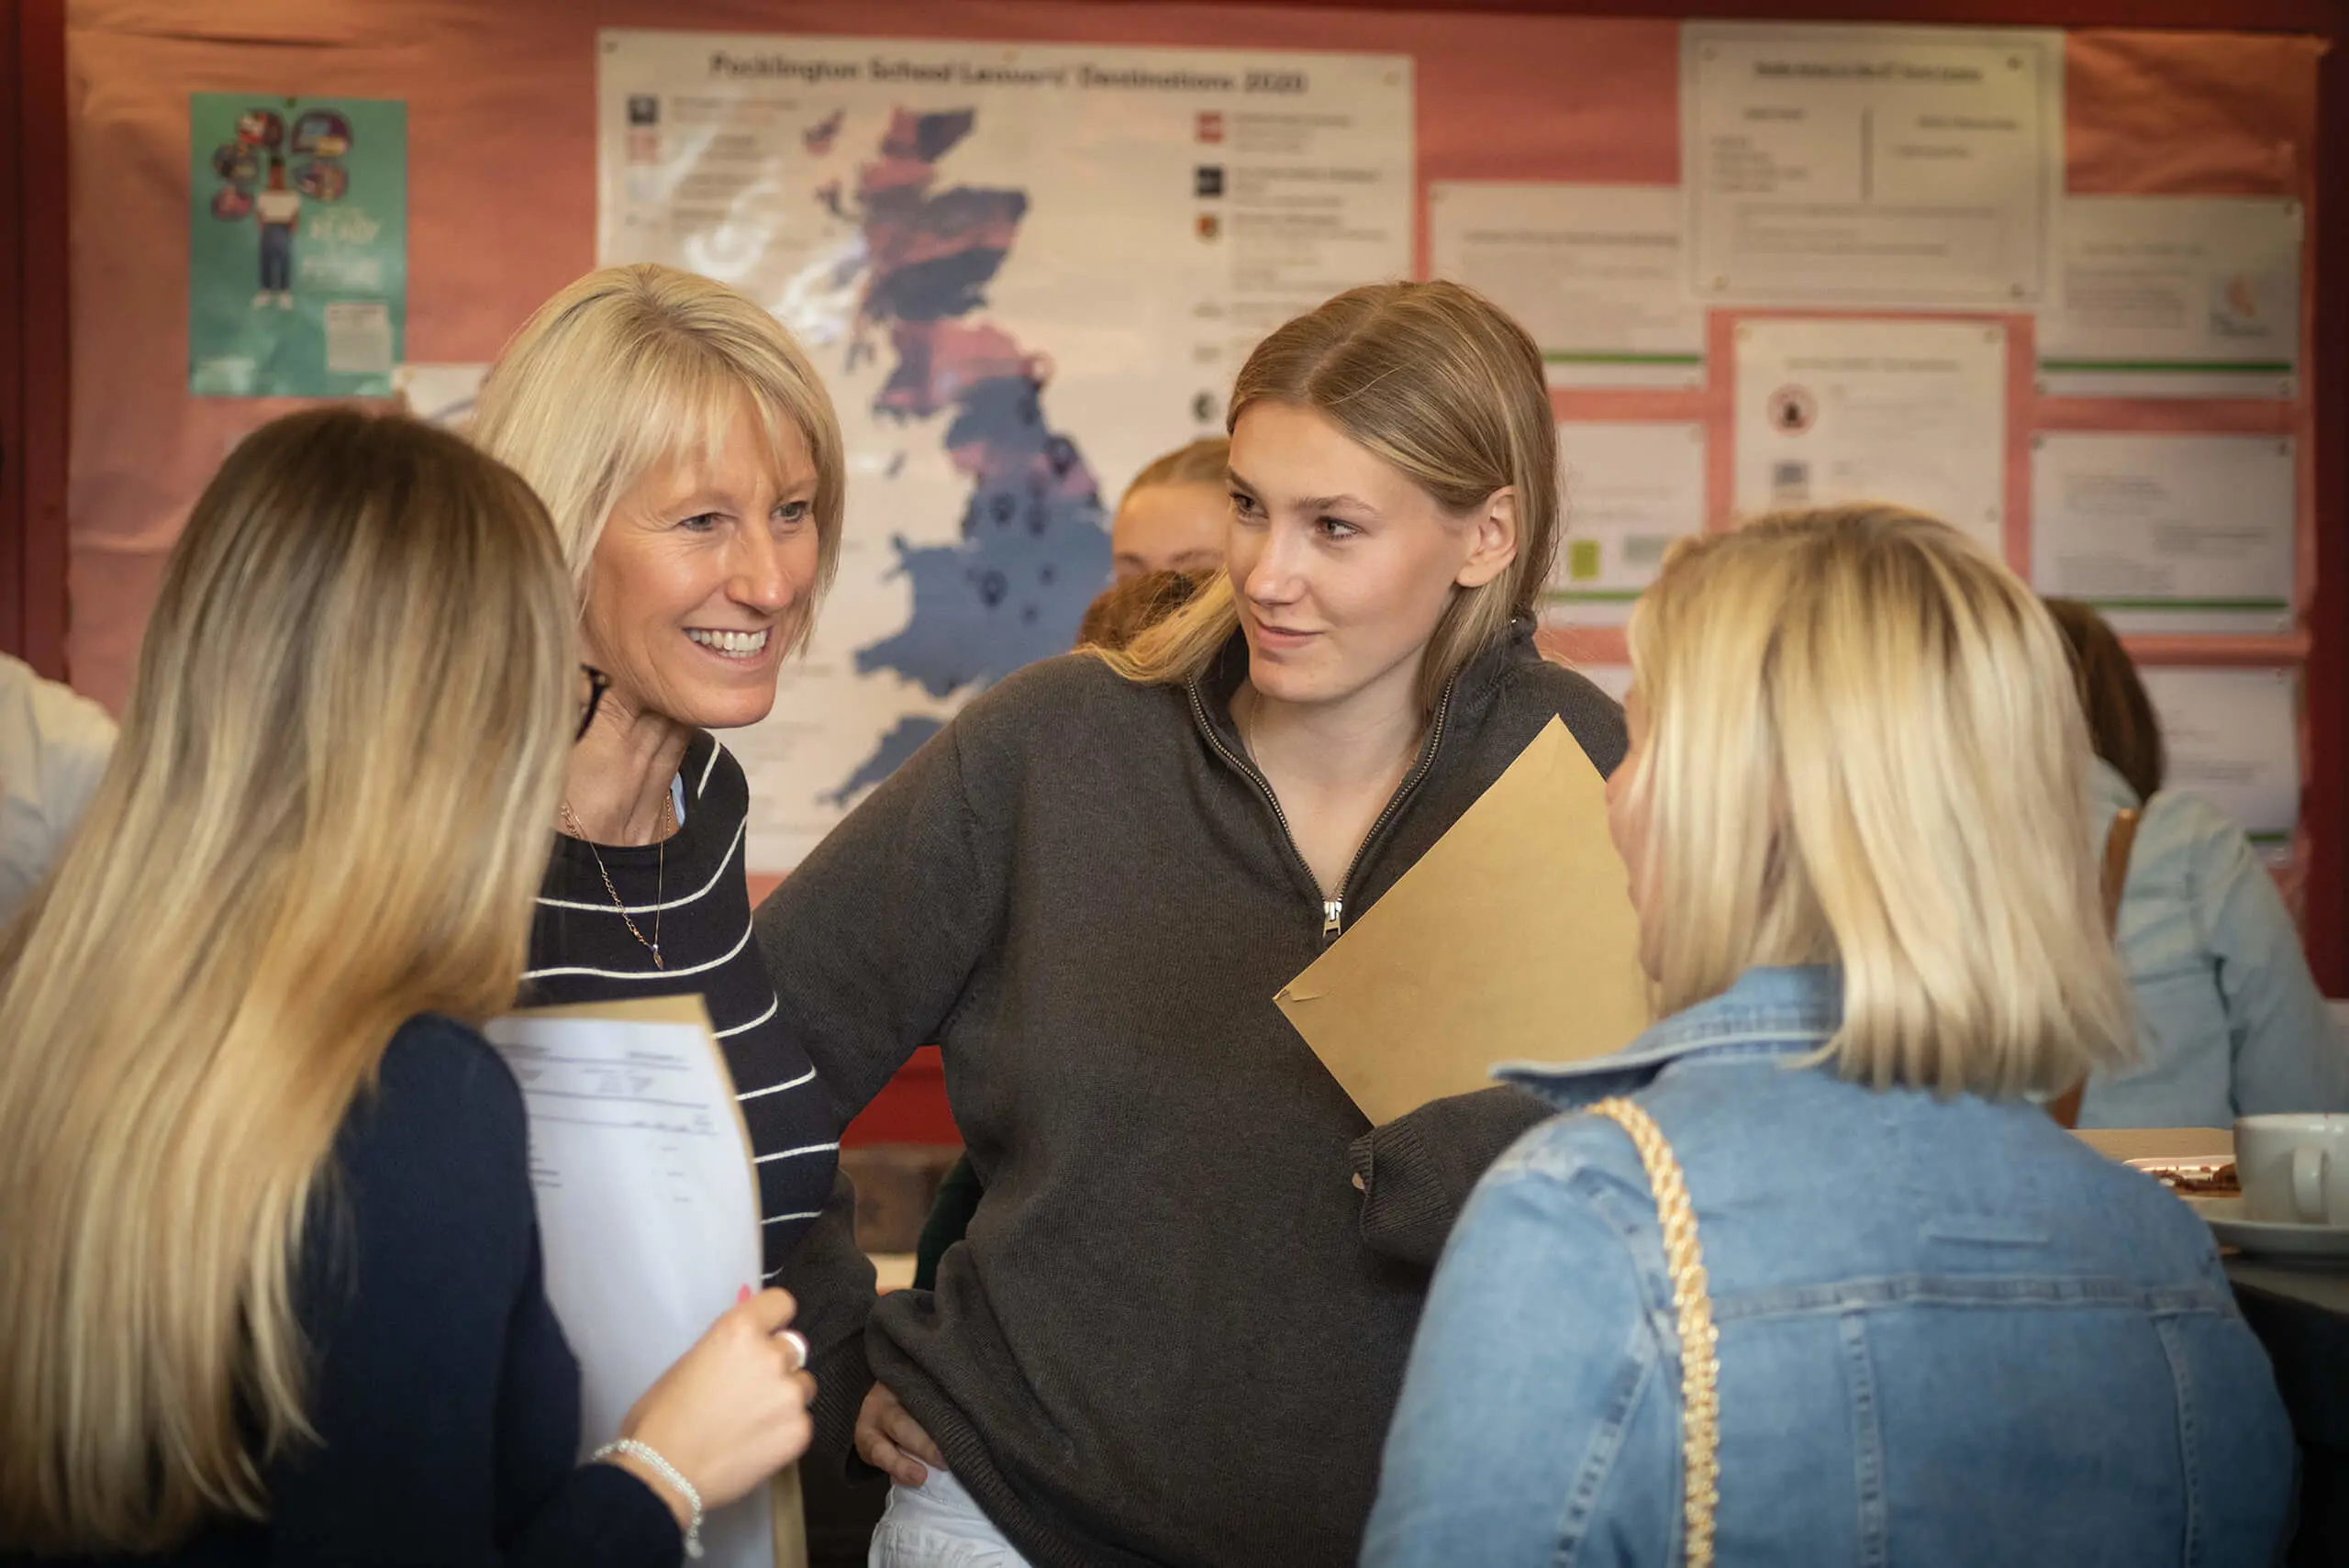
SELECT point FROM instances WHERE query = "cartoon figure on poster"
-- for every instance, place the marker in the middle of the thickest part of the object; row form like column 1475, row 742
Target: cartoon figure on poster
column 279, row 212
column 274, row 201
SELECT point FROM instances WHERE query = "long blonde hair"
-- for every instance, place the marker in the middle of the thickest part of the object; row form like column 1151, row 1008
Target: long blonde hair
column 1435, row 380
column 329, row 812
column 1862, row 746
column 632, row 367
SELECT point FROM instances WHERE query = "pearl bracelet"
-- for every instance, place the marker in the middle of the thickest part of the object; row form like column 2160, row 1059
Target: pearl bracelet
column 667, row 1471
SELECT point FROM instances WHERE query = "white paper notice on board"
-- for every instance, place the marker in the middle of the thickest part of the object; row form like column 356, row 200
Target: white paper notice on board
column 1861, row 165
column 2232, row 738
column 1885, row 409
column 2175, row 296
column 439, row 395
column 1632, row 489
column 1593, row 272
column 1022, row 271
column 2167, row 533
column 648, row 1206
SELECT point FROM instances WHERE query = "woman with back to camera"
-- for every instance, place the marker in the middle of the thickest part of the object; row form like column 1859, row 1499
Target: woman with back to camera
column 1820, row 1282
column 1174, row 1329
column 2229, row 1021
column 271, row 1292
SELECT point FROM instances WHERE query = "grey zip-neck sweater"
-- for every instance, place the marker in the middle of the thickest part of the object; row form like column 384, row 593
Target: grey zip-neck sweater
column 1174, row 1332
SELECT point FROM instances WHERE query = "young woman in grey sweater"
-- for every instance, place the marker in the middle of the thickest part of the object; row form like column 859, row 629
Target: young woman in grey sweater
column 1176, row 1329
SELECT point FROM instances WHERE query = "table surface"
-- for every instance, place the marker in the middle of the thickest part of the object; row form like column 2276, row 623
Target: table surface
column 2324, row 1287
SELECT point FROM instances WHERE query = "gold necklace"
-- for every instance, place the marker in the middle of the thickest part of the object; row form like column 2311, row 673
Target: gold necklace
column 668, row 824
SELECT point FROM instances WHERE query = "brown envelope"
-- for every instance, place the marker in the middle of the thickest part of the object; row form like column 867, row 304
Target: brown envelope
column 1512, row 940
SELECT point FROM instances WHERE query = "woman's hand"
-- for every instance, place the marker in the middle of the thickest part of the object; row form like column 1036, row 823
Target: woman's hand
column 892, row 1442
column 731, row 1411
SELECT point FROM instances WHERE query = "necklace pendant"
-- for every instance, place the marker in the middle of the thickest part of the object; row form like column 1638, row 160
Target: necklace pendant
column 656, row 960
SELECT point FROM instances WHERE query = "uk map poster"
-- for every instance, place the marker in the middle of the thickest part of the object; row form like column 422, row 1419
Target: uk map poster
column 1022, row 272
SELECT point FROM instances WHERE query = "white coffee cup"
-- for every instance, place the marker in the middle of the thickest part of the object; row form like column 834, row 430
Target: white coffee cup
column 2294, row 1168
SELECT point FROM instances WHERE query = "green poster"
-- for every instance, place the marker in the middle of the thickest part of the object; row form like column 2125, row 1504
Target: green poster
column 297, row 245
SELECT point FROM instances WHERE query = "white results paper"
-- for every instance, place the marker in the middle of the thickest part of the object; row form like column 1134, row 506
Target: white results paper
column 2167, row 533
column 648, row 1206
column 1865, row 165
column 1593, row 272
column 1888, row 409
column 1632, row 489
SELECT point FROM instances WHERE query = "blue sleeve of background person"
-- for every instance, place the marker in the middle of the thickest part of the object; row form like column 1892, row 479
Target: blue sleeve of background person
column 2290, row 1055
column 1538, row 1424
column 445, row 1399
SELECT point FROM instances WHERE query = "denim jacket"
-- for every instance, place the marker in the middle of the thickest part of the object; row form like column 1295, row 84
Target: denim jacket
column 1950, row 1333
column 2229, row 1020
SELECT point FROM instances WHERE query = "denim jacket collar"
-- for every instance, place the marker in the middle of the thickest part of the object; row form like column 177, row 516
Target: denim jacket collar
column 1768, row 1011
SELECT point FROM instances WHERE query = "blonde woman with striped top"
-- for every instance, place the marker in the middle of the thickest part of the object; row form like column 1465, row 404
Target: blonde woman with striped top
column 691, row 461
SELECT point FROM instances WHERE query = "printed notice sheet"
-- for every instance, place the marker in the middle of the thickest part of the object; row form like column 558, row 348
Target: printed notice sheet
column 1909, row 412
column 648, row 1206
column 2232, row 738
column 1593, row 272
column 2167, row 533
column 1852, row 166
column 1632, row 489
column 2175, row 296
column 1022, row 272
column 439, row 395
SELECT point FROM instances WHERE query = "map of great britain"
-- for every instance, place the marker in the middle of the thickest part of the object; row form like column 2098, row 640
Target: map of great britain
column 1034, row 549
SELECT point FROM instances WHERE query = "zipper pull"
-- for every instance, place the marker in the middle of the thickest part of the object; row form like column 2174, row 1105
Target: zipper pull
column 1332, row 911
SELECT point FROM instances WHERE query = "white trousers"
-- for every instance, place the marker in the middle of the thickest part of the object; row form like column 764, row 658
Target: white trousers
column 936, row 1525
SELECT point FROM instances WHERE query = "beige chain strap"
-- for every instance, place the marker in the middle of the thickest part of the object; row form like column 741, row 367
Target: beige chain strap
column 1701, row 1364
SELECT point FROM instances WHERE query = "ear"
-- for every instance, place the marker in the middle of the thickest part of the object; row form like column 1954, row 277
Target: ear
column 1492, row 542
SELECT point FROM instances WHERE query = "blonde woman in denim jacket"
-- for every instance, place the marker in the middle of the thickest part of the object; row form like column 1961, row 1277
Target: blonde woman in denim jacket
column 1947, row 1332
column 2229, row 1021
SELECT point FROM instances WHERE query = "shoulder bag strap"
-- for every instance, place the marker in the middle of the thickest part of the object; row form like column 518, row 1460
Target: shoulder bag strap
column 2117, row 843
column 2118, row 840
column 1700, row 1339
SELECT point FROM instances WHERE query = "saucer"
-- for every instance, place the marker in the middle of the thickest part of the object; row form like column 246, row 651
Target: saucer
column 2272, row 1238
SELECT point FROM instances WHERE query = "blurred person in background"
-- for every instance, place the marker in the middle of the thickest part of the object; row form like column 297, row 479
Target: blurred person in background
column 1173, row 516
column 2229, row 1020
column 53, row 745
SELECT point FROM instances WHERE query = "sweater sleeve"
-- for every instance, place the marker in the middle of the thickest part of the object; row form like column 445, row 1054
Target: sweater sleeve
column 445, row 1403
column 1417, row 1171
column 871, row 941
column 831, row 1279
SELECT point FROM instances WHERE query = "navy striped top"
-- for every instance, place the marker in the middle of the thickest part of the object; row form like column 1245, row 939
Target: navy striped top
column 581, row 952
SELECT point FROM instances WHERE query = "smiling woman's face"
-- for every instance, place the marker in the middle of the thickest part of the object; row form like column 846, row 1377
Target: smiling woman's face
column 703, row 576
column 1340, row 564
